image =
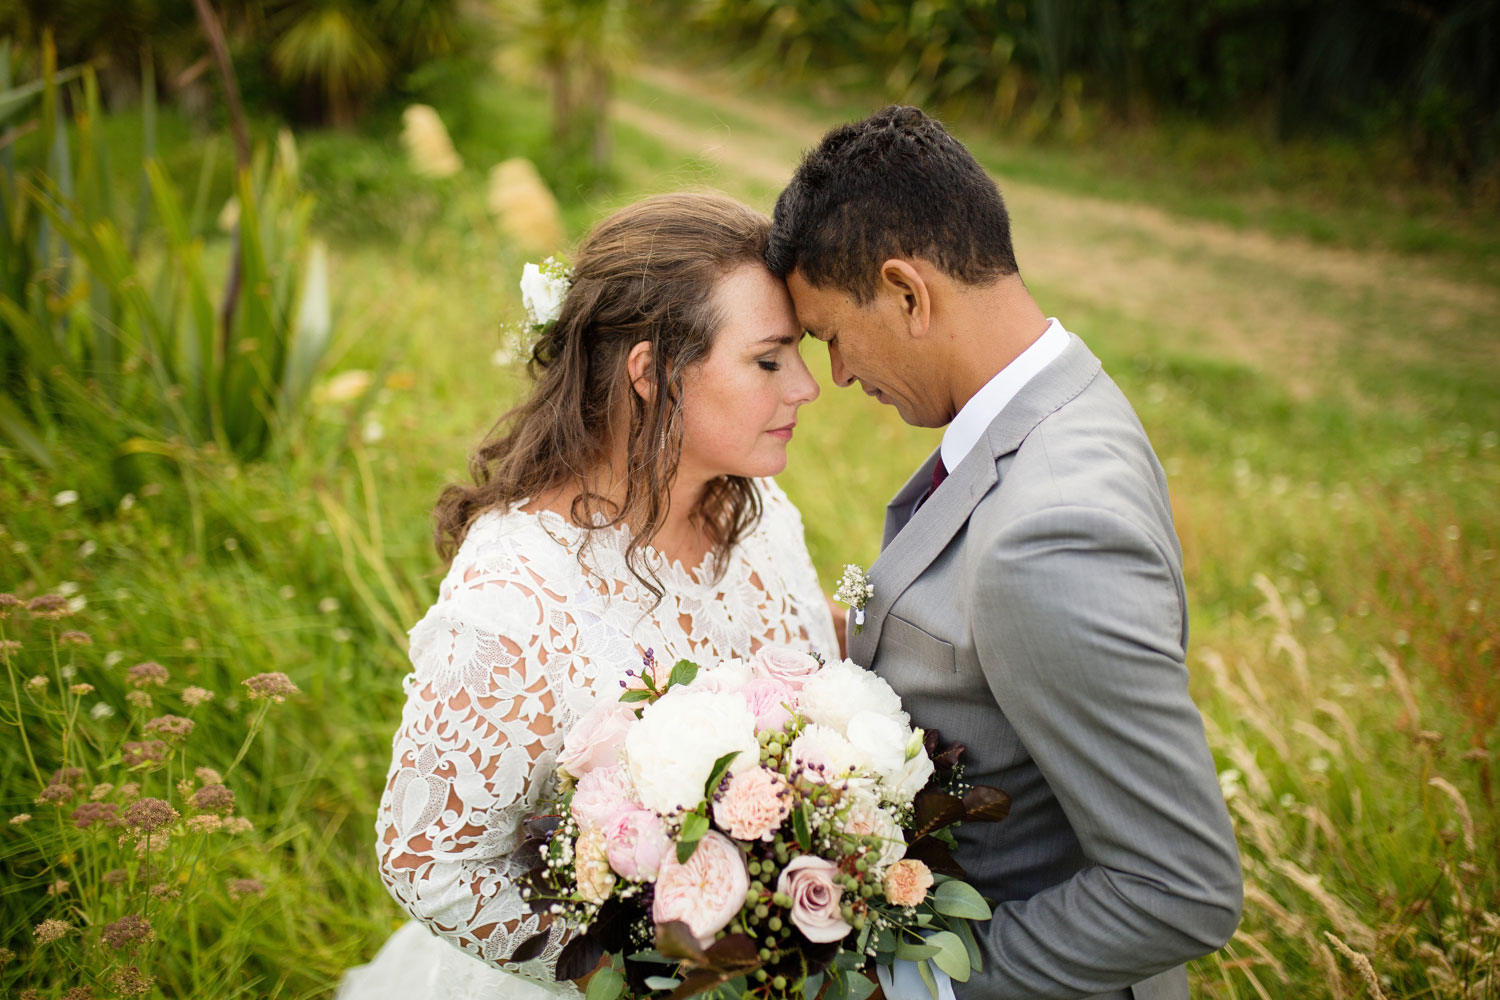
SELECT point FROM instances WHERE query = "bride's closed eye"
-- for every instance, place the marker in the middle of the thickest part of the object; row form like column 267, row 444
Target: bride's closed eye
column 767, row 365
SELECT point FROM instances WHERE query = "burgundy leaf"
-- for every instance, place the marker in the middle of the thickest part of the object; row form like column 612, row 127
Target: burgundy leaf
column 579, row 956
column 675, row 939
column 531, row 947
column 933, row 810
column 985, row 804
column 934, row 855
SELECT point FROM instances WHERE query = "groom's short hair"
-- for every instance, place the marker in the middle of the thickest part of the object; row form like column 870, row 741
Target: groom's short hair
column 894, row 185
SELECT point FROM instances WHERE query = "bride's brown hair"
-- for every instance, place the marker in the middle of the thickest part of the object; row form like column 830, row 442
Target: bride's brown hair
column 646, row 273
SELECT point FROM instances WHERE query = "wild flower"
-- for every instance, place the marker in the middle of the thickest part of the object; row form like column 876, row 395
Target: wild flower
column 149, row 815
column 138, row 699
column 88, row 548
column 127, row 932
column 9, row 645
column 6, row 957
column 52, row 930
column 54, row 794
column 275, row 685
column 213, row 798
column 90, row 813
column 67, row 588
column 48, row 606
column 128, row 982
column 242, row 887
column 147, row 674
column 73, row 637
column 205, row 823
column 20, row 818
column 65, row 498
column 171, row 727
column 113, row 658
column 143, row 753
column 100, row 790
column 194, row 696
column 328, row 605
column 79, row 993
column 77, row 604
column 238, row 824
column 208, row 776
column 162, row 890
column 58, row 887
column 185, row 787
column 8, row 603
column 102, row 710
column 37, row 683
column 152, row 845
column 116, row 876
column 81, row 689
column 69, row 776
column 130, row 790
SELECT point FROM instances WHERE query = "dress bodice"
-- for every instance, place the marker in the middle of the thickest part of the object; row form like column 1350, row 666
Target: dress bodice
column 535, row 620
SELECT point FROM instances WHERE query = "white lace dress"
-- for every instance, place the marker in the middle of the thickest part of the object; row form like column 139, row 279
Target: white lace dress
column 522, row 640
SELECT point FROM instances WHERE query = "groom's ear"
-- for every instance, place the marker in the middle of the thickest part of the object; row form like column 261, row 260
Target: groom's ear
column 908, row 291
column 638, row 368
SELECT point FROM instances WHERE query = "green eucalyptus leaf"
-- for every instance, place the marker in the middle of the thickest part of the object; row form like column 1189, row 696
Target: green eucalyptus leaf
column 959, row 899
column 952, row 956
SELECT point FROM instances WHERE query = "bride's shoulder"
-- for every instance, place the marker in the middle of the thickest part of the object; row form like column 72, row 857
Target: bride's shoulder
column 514, row 542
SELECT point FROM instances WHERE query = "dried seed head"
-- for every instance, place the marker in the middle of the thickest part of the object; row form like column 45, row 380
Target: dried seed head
column 79, row 993
column 169, row 727
column 81, row 689
column 147, row 674
column 130, row 790
column 54, row 795
column 58, row 887
column 143, row 753
column 238, row 824
column 192, row 697
column 90, row 813
column 49, row 606
column 8, row 603
column 127, row 932
column 69, row 776
column 214, row 799
column 20, row 818
column 205, row 823
column 52, row 930
column 36, row 683
column 75, row 638
column 208, row 776
column 242, row 887
column 149, row 815
column 276, row 686
column 116, row 876
column 128, row 982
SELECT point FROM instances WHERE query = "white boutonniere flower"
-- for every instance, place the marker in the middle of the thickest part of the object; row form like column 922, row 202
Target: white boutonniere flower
column 855, row 590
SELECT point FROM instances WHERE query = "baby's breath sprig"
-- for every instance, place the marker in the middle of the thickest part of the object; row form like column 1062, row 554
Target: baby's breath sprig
column 855, row 590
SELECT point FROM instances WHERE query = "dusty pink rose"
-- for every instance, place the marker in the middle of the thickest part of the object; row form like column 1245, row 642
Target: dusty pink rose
column 783, row 663
column 706, row 892
column 596, row 739
column 601, row 795
column 636, row 844
column 907, row 882
column 769, row 699
column 815, row 898
column 753, row 804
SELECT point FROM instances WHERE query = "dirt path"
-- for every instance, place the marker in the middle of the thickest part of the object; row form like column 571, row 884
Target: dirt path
column 1283, row 305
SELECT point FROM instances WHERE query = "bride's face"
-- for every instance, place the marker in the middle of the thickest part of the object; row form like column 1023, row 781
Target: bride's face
column 739, row 404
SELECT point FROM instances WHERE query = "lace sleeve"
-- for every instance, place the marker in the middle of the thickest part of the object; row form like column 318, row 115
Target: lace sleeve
column 477, row 748
column 785, row 543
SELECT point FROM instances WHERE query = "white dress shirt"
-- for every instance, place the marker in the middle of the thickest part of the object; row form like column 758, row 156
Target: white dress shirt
column 964, row 432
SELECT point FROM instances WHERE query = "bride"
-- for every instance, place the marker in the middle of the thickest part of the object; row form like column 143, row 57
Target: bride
column 622, row 511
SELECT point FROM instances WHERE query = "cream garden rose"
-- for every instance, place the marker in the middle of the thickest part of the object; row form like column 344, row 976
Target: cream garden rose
column 706, row 892
column 672, row 749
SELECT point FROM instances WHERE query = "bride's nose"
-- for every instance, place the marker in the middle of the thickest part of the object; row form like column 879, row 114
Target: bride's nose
column 804, row 388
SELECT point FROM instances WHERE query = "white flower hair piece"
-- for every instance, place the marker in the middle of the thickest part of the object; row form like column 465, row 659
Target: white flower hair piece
column 543, row 288
column 855, row 590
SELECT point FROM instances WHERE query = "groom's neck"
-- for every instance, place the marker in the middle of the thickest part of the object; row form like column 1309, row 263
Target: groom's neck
column 988, row 328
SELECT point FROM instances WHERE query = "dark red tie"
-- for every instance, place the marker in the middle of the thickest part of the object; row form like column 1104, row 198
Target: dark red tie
column 939, row 473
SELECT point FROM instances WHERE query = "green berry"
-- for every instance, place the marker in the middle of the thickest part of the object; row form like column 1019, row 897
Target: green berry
column 779, row 982
column 762, row 911
column 761, row 976
column 774, row 923
column 753, row 868
column 765, row 954
column 860, row 865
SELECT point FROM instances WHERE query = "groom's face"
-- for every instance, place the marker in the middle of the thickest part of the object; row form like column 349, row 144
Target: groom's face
column 867, row 343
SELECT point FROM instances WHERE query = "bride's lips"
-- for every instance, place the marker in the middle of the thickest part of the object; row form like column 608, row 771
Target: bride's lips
column 783, row 433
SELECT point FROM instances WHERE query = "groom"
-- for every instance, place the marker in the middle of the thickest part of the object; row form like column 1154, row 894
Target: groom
column 1029, row 596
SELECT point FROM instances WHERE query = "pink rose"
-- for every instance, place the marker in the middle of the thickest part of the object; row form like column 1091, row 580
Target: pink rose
column 790, row 666
column 596, row 739
column 769, row 699
column 636, row 844
column 753, row 805
column 815, row 898
column 706, row 892
column 907, row 882
column 601, row 795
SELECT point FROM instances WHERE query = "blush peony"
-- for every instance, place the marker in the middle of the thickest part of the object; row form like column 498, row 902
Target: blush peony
column 907, row 882
column 791, row 667
column 772, row 702
column 706, row 892
column 671, row 750
column 753, row 804
column 636, row 843
column 597, row 739
column 815, row 898
column 601, row 795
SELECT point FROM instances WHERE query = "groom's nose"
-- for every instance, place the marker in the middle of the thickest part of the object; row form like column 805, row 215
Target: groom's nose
column 841, row 375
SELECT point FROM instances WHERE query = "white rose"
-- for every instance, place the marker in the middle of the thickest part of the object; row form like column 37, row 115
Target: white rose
column 904, row 785
column 825, row 753
column 840, row 691
column 866, row 818
column 542, row 294
column 881, row 741
column 672, row 750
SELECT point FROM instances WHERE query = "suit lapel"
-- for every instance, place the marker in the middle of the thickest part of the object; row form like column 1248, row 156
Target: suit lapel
column 913, row 540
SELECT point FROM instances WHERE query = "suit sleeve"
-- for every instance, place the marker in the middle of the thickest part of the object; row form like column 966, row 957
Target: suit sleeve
column 1081, row 640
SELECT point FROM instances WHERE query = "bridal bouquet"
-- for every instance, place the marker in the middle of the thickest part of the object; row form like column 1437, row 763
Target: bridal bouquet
column 764, row 828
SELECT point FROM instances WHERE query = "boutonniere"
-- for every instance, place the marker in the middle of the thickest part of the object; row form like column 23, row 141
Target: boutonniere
column 855, row 590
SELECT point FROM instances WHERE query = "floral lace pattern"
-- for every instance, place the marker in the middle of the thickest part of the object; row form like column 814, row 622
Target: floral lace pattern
column 523, row 638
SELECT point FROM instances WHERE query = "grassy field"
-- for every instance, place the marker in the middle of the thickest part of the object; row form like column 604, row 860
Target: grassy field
column 1329, row 417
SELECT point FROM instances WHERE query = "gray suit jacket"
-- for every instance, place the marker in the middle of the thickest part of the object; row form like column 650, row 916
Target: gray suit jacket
column 1033, row 608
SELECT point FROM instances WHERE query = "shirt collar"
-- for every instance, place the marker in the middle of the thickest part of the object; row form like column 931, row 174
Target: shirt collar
column 965, row 430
